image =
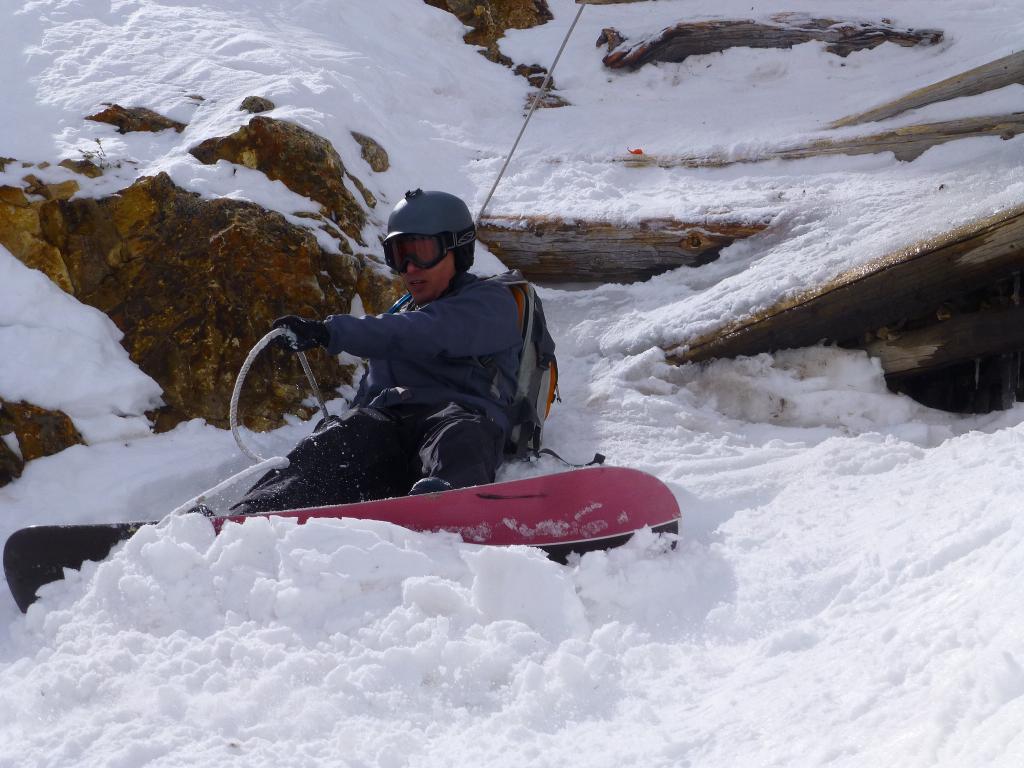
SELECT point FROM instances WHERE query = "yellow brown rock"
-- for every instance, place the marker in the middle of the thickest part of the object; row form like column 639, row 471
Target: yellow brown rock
column 57, row 191
column 35, row 431
column 85, row 167
column 40, row 432
column 368, row 197
column 21, row 233
column 256, row 104
column 193, row 284
column 372, row 152
column 377, row 286
column 130, row 119
column 11, row 464
column 303, row 161
column 489, row 19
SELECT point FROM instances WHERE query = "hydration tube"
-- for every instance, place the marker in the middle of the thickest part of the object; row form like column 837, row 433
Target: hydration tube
column 262, row 464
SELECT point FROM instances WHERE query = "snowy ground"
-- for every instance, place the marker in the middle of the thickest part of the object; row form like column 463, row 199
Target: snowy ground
column 845, row 588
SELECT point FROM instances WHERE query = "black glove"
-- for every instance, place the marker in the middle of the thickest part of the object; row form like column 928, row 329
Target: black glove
column 301, row 334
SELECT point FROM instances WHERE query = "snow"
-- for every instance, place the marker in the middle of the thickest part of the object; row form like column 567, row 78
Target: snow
column 97, row 386
column 844, row 591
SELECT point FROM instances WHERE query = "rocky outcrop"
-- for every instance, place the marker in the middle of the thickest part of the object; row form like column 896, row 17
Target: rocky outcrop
column 36, row 432
column 11, row 464
column 193, row 284
column 21, row 232
column 256, row 104
column 85, row 167
column 129, row 119
column 489, row 19
column 372, row 152
column 303, row 161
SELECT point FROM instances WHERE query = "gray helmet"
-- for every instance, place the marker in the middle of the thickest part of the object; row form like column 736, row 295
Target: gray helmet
column 438, row 214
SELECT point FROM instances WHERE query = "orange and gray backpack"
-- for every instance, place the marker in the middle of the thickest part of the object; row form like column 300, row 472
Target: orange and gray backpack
column 537, row 378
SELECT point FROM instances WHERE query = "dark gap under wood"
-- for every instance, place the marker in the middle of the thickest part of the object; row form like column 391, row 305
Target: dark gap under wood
column 551, row 249
column 784, row 30
column 978, row 385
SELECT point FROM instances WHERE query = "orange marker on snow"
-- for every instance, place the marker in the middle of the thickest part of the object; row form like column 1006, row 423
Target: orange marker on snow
column 636, row 151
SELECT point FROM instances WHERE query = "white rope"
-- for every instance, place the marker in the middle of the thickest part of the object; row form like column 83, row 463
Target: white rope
column 244, row 371
column 536, row 101
column 262, row 464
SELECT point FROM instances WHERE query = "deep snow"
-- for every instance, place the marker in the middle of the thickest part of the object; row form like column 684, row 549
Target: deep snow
column 844, row 590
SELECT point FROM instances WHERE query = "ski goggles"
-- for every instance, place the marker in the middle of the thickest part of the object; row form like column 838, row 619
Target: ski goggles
column 425, row 251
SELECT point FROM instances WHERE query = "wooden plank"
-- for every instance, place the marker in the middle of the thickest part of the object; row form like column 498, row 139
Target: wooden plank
column 784, row 30
column 907, row 283
column 907, row 143
column 555, row 249
column 960, row 338
column 996, row 74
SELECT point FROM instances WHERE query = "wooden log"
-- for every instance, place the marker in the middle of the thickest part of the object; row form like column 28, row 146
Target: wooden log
column 912, row 141
column 907, row 283
column 962, row 337
column 561, row 250
column 996, row 74
column 907, row 143
column 675, row 44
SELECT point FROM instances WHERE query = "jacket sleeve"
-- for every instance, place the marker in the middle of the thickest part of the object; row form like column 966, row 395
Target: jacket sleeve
column 478, row 321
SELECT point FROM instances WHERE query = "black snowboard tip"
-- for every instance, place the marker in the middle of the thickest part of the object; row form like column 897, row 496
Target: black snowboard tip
column 39, row 554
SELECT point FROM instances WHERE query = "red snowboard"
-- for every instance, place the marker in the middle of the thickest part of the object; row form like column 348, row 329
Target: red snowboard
column 577, row 511
column 585, row 506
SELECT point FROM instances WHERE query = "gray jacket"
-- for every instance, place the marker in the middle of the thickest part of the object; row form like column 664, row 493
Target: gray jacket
column 463, row 347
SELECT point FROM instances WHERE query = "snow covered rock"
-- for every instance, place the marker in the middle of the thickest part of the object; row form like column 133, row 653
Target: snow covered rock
column 489, row 19
column 193, row 284
column 128, row 119
column 303, row 161
column 37, row 432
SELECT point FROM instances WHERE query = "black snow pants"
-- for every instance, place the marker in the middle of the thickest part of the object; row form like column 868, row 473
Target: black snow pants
column 376, row 453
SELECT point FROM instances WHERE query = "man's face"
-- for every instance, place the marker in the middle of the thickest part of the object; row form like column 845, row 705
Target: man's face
column 425, row 285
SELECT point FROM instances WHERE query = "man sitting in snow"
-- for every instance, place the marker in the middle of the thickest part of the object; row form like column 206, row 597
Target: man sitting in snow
column 430, row 413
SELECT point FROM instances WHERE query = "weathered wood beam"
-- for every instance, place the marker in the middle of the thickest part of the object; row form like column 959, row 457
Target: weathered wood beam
column 675, row 44
column 907, row 143
column 962, row 337
column 996, row 74
column 907, row 283
column 562, row 250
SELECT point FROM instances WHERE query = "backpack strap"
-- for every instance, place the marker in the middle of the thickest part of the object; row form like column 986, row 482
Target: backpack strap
column 596, row 461
column 522, row 414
